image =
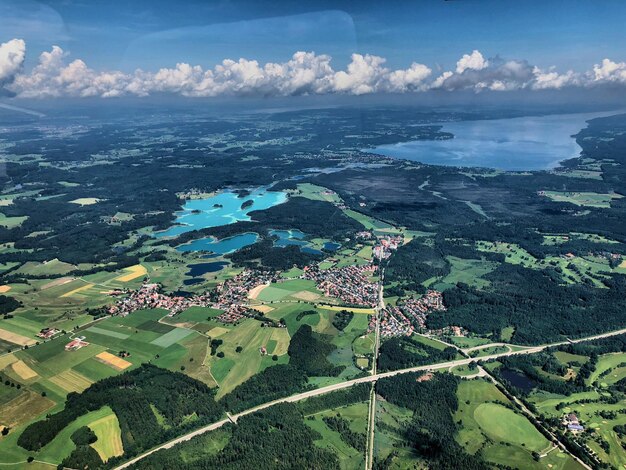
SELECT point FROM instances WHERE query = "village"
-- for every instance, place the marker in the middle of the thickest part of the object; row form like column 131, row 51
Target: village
column 350, row 284
column 148, row 296
column 405, row 318
column 232, row 295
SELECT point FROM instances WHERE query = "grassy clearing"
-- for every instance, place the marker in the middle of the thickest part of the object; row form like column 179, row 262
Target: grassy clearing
column 469, row 271
column 292, row 313
column 463, row 371
column 504, row 436
column 503, row 424
column 11, row 222
column 566, row 358
column 574, row 269
column 606, row 362
column 468, row 341
column 316, row 193
column 547, row 403
column 430, row 342
column 356, row 415
column 507, row 333
column 363, row 344
column 47, row 268
column 370, row 223
column 587, row 199
column 109, row 443
column 388, row 437
column 85, row 201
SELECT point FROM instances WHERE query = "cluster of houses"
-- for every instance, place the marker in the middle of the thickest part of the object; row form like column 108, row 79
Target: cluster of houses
column 402, row 320
column 232, row 295
column 418, row 309
column 351, row 284
column 364, row 235
column 385, row 245
column 150, row 296
column 233, row 314
column 394, row 323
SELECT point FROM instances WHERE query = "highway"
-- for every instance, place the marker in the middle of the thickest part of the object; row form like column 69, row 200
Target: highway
column 349, row 383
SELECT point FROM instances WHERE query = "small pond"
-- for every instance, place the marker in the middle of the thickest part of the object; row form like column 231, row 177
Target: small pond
column 518, row 380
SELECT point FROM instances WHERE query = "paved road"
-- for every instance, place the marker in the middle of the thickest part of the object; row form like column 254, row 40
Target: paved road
column 366, row 379
column 369, row 454
column 492, row 345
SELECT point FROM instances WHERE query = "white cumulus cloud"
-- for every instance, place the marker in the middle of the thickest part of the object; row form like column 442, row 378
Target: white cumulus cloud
column 305, row 73
column 609, row 71
column 12, row 54
column 473, row 61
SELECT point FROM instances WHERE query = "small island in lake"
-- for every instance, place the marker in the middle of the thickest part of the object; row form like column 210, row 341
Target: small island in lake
column 247, row 204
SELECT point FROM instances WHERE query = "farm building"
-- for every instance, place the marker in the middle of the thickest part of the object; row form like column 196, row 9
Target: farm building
column 47, row 333
column 76, row 344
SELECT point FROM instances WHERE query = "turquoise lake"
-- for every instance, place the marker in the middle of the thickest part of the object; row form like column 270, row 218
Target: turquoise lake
column 288, row 237
column 222, row 209
column 518, row 144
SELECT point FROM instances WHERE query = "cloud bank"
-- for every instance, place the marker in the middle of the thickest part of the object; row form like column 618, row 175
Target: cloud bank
column 306, row 73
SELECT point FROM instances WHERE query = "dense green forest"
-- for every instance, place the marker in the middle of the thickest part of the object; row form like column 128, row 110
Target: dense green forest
column 264, row 253
column 272, row 383
column 132, row 395
column 403, row 352
column 432, row 429
column 83, row 456
column 536, row 303
column 8, row 304
column 272, row 438
column 342, row 319
column 309, row 350
column 355, row 394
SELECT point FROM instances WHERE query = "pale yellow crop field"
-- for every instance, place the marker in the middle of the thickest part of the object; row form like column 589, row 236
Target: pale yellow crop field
column 133, row 273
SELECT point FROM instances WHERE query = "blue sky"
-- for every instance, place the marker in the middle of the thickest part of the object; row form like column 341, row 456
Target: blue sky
column 360, row 47
column 149, row 33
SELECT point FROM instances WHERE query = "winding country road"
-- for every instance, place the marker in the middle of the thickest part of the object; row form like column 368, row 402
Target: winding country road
column 350, row 383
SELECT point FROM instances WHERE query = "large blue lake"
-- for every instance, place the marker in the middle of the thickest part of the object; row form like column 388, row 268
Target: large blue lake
column 222, row 209
column 526, row 143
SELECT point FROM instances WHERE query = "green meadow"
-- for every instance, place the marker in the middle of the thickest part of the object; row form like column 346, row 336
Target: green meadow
column 503, row 436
